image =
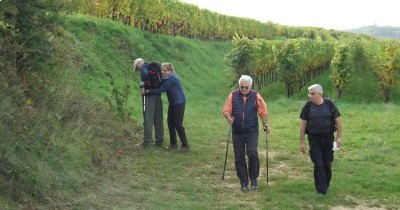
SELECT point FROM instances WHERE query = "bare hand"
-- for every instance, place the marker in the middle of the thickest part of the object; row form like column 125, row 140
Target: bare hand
column 339, row 142
column 303, row 148
column 230, row 120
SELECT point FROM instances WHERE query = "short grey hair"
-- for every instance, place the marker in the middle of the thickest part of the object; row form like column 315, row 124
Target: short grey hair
column 317, row 88
column 246, row 78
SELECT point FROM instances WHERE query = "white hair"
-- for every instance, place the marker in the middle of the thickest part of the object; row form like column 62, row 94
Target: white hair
column 136, row 62
column 317, row 88
column 246, row 78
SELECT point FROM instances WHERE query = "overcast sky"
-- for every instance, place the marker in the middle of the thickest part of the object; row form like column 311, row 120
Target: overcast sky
column 329, row 14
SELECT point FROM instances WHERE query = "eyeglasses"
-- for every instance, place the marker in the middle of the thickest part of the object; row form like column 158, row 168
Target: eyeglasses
column 311, row 93
column 244, row 87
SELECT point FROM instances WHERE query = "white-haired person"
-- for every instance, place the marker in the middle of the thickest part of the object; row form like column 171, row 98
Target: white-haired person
column 319, row 119
column 152, row 107
column 242, row 109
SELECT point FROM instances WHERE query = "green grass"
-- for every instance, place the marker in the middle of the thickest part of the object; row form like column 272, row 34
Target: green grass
column 365, row 170
column 162, row 179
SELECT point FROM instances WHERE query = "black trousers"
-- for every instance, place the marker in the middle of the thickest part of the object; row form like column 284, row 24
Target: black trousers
column 246, row 144
column 321, row 154
column 175, row 123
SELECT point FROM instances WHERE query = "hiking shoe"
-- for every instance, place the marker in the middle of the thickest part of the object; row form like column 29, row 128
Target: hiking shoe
column 243, row 187
column 173, row 147
column 185, row 148
column 254, row 184
column 143, row 145
column 158, row 143
column 318, row 195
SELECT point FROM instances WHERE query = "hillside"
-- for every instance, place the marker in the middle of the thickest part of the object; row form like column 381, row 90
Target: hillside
column 383, row 32
column 80, row 154
column 160, row 179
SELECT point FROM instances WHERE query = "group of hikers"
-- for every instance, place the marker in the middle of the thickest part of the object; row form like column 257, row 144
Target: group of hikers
column 155, row 79
column 319, row 119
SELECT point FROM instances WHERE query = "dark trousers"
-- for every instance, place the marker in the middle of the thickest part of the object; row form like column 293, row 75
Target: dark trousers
column 175, row 123
column 321, row 154
column 246, row 144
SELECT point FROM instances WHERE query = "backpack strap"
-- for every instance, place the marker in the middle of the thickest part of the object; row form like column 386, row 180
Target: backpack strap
column 307, row 108
column 330, row 104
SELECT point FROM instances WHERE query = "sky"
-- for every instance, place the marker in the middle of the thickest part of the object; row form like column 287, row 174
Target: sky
column 328, row 14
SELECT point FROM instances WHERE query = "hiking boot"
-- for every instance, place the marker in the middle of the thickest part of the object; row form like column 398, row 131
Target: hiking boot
column 158, row 143
column 143, row 145
column 254, row 184
column 318, row 195
column 243, row 187
column 173, row 147
column 185, row 148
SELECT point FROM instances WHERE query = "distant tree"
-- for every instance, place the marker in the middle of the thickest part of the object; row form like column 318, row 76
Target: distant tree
column 290, row 63
column 239, row 57
column 342, row 66
column 264, row 62
column 384, row 58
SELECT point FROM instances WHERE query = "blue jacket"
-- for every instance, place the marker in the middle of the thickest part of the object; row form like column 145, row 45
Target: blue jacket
column 174, row 90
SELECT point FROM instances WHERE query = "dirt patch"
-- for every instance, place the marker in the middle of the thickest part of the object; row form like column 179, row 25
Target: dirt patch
column 359, row 207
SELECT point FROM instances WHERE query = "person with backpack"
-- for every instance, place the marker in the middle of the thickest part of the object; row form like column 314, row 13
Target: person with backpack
column 319, row 119
column 176, row 109
column 150, row 78
column 242, row 109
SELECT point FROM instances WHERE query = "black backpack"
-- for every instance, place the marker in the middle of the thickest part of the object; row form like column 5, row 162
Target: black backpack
column 154, row 75
column 330, row 105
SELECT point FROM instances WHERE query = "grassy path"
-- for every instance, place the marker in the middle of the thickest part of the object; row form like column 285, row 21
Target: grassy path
column 364, row 172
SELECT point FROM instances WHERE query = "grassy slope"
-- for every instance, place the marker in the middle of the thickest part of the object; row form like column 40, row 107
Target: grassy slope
column 365, row 170
column 161, row 179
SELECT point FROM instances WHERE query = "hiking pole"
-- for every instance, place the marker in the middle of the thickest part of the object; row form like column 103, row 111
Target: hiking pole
column 144, row 103
column 226, row 152
column 143, row 95
column 266, row 146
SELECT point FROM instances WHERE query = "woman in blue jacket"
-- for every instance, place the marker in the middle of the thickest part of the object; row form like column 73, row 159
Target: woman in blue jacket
column 176, row 109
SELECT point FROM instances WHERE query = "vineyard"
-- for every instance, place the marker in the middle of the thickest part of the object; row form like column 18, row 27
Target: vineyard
column 175, row 18
column 70, row 112
column 298, row 61
column 269, row 52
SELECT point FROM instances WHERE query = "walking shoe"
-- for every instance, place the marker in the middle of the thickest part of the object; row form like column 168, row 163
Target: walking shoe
column 318, row 195
column 254, row 184
column 243, row 187
column 173, row 147
column 159, row 143
column 143, row 145
column 185, row 148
